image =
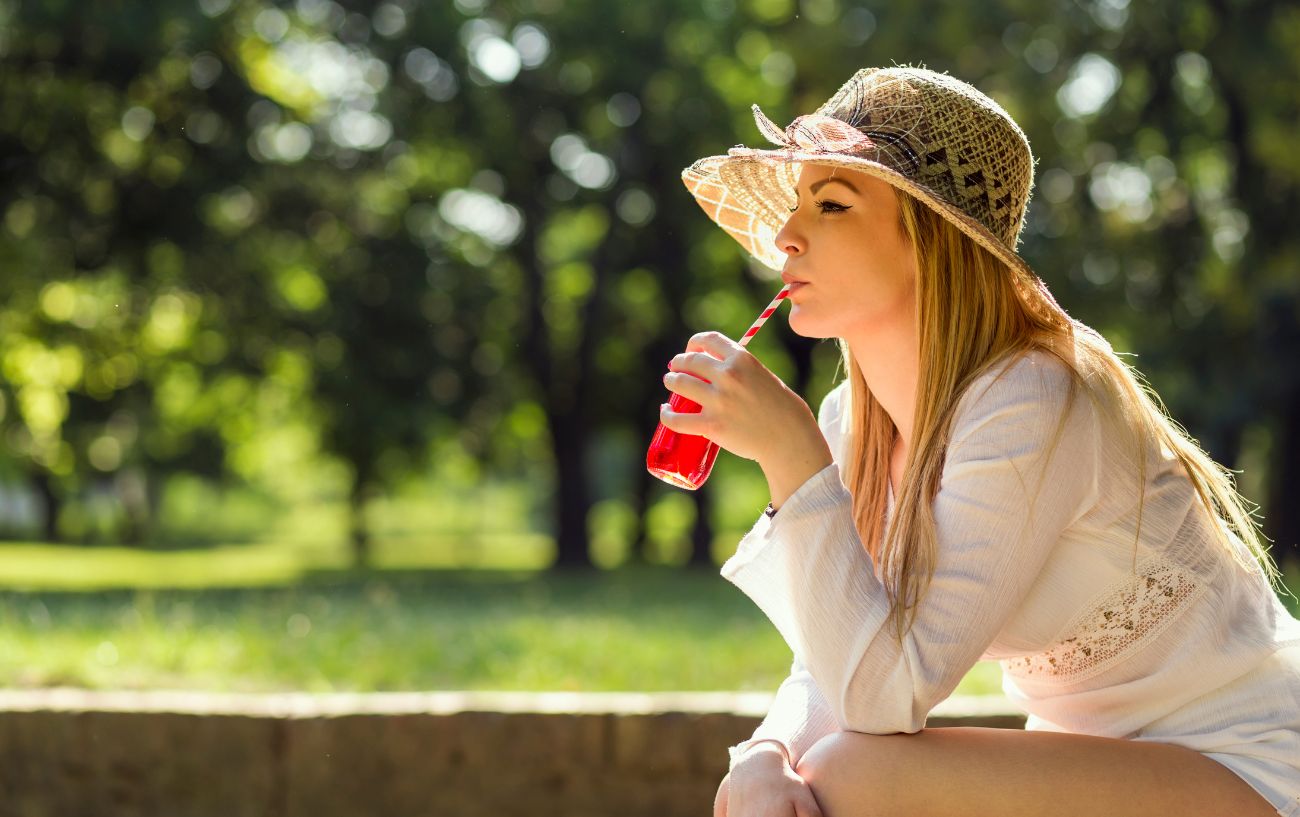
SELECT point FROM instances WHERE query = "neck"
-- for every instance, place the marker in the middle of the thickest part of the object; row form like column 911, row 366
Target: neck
column 888, row 357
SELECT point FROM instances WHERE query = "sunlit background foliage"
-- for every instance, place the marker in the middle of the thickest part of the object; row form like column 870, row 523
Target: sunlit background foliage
column 394, row 283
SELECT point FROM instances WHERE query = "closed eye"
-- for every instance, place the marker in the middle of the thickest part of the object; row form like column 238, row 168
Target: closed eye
column 826, row 206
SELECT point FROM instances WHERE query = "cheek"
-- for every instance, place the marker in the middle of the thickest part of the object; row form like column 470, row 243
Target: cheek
column 894, row 268
column 883, row 290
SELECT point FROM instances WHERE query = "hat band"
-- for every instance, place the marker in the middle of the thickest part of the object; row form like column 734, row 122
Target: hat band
column 817, row 133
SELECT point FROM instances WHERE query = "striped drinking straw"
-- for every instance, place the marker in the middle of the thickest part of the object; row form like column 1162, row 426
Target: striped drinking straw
column 767, row 313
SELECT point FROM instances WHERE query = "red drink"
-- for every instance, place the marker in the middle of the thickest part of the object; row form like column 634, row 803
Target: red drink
column 684, row 460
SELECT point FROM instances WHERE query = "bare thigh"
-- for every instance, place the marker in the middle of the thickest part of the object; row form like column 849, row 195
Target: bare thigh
column 976, row 771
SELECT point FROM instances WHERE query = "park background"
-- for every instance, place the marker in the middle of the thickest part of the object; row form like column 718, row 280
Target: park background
column 331, row 333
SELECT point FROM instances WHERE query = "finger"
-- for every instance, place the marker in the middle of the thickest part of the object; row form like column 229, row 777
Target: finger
column 688, row 386
column 701, row 364
column 689, row 423
column 807, row 808
column 715, row 343
column 722, row 799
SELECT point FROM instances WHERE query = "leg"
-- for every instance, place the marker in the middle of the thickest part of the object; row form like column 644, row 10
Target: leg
column 976, row 771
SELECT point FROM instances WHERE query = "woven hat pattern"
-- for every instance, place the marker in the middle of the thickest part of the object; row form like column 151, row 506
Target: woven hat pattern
column 938, row 138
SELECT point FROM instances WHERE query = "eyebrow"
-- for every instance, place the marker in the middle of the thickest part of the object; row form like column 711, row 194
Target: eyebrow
column 818, row 186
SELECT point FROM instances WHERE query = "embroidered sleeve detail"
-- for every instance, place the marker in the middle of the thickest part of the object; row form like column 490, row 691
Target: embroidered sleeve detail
column 1133, row 612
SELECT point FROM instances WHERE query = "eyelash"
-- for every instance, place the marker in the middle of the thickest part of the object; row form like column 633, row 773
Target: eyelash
column 825, row 206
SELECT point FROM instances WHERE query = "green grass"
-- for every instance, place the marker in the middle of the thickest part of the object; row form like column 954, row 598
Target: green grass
column 643, row 629
column 272, row 618
column 31, row 566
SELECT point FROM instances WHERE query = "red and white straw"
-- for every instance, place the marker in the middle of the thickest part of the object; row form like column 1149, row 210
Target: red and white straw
column 767, row 313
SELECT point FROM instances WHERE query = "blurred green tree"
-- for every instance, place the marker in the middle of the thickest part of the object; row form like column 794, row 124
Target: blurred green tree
column 240, row 234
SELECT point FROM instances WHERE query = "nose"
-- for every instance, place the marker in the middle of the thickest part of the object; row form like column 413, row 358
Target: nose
column 788, row 240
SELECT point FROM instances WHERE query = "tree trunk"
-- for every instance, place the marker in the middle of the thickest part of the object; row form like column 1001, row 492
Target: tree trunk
column 132, row 487
column 638, row 541
column 51, row 504
column 702, row 531
column 563, row 386
column 359, row 534
column 1284, row 504
column 573, row 493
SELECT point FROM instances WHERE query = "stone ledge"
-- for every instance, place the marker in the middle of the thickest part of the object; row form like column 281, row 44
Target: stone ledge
column 315, row 705
column 71, row 752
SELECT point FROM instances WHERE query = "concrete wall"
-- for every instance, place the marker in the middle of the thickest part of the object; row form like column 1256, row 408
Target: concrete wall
column 66, row 753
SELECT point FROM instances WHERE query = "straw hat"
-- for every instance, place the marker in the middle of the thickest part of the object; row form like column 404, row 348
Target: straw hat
column 936, row 137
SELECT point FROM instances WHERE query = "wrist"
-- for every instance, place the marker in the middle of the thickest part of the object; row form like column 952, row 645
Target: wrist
column 786, row 473
column 767, row 751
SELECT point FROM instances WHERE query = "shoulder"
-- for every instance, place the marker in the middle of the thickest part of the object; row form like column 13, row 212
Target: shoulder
column 1025, row 395
column 1026, row 434
column 1036, row 373
column 1028, row 393
column 1035, row 368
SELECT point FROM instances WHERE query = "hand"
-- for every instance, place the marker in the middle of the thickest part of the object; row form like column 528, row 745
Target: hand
column 747, row 410
column 762, row 784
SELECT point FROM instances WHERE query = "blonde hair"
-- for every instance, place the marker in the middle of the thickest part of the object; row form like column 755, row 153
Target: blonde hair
column 972, row 313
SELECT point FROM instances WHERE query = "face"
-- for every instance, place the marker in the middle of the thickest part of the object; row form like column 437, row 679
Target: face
column 845, row 246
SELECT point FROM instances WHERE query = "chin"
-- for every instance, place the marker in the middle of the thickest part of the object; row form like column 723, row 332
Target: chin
column 807, row 326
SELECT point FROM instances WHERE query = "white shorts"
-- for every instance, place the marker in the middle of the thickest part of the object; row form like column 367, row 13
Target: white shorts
column 1251, row 725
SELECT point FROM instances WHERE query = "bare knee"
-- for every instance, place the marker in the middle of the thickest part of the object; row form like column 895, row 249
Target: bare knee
column 720, row 800
column 821, row 760
column 840, row 766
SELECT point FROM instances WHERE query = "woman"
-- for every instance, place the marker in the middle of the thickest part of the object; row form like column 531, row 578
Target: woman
column 990, row 482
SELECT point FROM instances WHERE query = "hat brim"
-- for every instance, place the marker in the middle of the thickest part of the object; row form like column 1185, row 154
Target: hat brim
column 749, row 194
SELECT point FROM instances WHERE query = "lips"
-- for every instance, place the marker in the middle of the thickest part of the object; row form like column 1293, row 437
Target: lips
column 790, row 279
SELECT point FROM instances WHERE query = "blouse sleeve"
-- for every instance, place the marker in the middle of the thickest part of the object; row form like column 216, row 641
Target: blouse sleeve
column 800, row 715
column 1009, row 487
column 798, row 718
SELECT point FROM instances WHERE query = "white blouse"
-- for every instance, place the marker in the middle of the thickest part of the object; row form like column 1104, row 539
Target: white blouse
column 1037, row 568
